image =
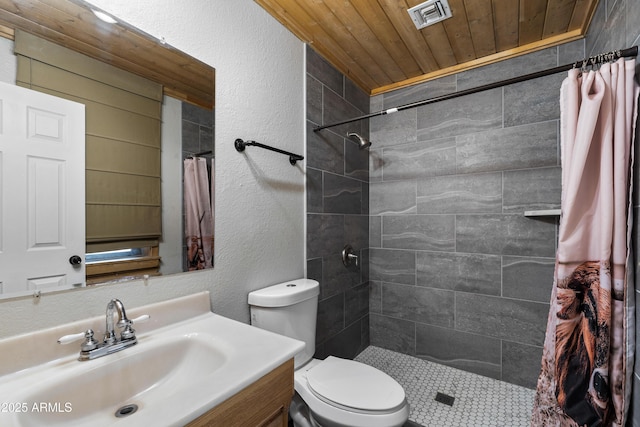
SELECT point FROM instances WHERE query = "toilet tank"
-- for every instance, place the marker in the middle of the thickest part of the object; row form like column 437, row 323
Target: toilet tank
column 289, row 309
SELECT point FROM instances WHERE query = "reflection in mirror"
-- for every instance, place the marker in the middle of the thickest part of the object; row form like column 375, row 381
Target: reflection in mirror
column 198, row 186
column 185, row 129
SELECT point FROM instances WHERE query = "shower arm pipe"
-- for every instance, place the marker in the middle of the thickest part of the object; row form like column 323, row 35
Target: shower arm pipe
column 240, row 146
column 594, row 60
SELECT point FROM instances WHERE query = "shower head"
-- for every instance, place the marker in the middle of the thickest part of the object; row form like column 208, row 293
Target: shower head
column 362, row 142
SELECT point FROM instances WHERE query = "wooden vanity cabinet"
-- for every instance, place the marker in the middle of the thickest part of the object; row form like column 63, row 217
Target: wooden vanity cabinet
column 265, row 403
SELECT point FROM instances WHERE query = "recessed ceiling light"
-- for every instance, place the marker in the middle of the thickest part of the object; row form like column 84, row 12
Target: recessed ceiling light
column 104, row 16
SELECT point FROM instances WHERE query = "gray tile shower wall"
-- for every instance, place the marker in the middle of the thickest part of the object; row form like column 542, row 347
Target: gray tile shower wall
column 451, row 253
column 458, row 275
column 337, row 209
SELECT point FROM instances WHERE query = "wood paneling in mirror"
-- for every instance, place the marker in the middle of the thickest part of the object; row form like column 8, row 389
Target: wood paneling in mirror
column 71, row 24
column 375, row 43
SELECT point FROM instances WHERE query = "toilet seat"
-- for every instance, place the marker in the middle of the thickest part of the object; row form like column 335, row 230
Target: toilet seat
column 329, row 413
column 355, row 386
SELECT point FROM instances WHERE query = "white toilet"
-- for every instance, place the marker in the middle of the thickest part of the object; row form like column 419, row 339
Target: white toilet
column 333, row 392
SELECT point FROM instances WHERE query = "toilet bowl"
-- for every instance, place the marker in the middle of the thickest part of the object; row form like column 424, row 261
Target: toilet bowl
column 333, row 392
column 344, row 393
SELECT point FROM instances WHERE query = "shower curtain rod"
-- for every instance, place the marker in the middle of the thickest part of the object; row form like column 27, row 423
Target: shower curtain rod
column 200, row 154
column 593, row 60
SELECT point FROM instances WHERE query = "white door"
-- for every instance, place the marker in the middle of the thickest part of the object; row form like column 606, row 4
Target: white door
column 42, row 194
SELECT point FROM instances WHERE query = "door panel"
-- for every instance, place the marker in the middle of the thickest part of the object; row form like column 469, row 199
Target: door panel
column 45, row 204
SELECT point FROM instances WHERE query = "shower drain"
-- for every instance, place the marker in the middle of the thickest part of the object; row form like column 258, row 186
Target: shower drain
column 126, row 410
column 445, row 398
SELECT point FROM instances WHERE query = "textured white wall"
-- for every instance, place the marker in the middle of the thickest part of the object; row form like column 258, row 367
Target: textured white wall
column 260, row 217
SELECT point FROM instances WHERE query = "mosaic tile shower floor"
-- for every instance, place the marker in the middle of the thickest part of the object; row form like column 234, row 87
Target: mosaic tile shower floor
column 479, row 401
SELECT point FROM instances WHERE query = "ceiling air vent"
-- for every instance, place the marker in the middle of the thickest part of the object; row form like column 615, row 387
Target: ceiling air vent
column 429, row 13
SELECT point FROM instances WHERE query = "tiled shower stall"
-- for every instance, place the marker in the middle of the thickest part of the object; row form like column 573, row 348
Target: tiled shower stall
column 451, row 269
column 458, row 274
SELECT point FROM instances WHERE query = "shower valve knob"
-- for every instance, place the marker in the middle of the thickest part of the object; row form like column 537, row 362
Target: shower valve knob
column 348, row 257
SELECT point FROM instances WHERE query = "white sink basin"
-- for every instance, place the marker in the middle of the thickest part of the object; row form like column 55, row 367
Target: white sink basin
column 150, row 371
column 173, row 375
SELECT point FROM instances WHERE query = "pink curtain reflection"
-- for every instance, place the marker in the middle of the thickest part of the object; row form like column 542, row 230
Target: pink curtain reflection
column 198, row 214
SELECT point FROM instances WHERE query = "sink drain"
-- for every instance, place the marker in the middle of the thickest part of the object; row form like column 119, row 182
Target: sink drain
column 126, row 410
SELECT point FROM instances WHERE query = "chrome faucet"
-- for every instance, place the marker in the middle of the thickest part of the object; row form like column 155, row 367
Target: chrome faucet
column 123, row 322
column 92, row 349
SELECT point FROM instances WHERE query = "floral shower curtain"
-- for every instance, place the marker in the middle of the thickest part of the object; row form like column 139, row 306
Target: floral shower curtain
column 198, row 214
column 588, row 352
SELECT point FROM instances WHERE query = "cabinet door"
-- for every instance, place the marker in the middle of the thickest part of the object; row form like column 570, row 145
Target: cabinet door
column 264, row 403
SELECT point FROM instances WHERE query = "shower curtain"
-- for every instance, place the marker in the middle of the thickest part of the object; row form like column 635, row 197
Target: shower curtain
column 587, row 359
column 198, row 214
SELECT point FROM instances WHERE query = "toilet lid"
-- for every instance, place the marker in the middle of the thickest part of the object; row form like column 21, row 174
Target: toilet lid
column 355, row 385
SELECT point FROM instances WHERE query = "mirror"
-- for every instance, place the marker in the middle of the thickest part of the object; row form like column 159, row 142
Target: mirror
column 188, row 89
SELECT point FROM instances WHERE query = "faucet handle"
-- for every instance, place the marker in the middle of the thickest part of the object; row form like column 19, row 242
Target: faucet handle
column 68, row 339
column 88, row 344
column 141, row 319
column 128, row 332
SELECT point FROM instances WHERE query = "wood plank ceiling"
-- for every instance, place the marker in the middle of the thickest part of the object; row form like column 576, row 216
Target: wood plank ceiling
column 376, row 44
column 70, row 23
